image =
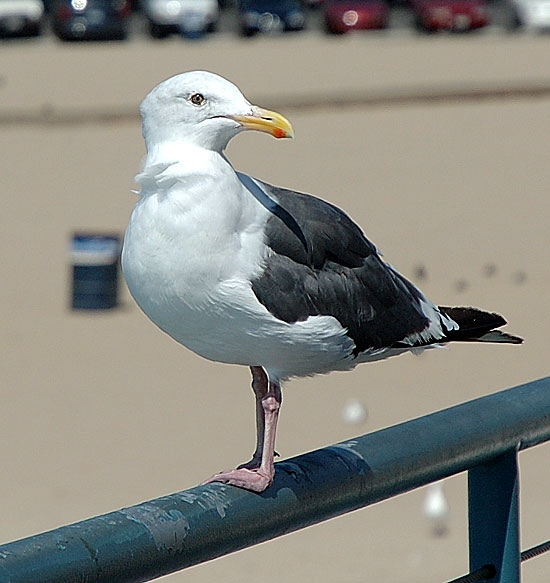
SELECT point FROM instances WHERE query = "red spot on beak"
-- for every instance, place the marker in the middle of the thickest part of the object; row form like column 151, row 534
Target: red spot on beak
column 277, row 133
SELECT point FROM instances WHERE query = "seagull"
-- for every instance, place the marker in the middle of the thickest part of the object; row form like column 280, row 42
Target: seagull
column 243, row 272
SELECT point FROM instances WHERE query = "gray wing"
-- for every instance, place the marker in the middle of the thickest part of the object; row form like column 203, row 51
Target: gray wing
column 338, row 272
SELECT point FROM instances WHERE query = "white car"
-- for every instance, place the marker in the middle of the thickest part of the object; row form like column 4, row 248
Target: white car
column 531, row 14
column 21, row 17
column 188, row 17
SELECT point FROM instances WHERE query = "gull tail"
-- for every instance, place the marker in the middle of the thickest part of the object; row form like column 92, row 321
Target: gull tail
column 475, row 325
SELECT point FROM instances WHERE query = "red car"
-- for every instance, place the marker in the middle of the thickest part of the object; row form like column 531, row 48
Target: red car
column 344, row 15
column 452, row 15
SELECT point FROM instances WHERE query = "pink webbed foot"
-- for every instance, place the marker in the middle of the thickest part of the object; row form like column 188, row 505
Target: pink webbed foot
column 256, row 479
column 257, row 474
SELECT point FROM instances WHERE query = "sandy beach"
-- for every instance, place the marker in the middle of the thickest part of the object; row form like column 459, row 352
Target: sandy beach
column 100, row 410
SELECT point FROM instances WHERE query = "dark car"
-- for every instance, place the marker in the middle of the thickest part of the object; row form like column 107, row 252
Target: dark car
column 451, row 15
column 20, row 18
column 90, row 19
column 270, row 16
column 344, row 15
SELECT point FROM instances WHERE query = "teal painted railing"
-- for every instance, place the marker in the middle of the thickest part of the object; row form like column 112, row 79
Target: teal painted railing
column 161, row 536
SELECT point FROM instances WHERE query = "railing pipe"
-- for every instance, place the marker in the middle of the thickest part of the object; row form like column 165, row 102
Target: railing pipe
column 493, row 517
column 170, row 533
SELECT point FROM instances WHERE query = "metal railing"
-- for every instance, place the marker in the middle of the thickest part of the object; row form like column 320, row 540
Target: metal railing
column 161, row 536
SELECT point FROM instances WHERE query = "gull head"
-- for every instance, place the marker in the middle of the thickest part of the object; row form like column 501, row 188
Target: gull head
column 206, row 110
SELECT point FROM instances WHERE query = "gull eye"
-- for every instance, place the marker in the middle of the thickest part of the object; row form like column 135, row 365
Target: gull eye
column 197, row 99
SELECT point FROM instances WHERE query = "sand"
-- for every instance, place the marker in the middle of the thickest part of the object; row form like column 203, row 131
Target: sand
column 101, row 410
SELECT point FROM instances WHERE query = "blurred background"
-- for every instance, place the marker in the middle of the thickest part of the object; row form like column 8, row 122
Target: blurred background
column 437, row 145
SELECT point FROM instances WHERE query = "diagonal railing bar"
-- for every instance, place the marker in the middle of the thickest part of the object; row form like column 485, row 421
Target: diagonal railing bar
column 485, row 573
column 488, row 572
column 161, row 536
column 535, row 551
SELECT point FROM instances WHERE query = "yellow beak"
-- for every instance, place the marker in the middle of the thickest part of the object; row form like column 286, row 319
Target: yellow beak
column 266, row 121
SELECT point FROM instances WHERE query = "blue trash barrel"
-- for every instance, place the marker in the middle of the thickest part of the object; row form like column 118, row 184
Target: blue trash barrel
column 95, row 260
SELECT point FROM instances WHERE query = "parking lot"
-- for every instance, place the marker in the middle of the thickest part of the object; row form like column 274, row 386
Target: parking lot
column 401, row 21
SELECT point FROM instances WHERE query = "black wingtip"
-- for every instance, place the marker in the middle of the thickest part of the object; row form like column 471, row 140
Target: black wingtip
column 475, row 325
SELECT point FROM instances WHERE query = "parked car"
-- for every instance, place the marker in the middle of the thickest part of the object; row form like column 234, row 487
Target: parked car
column 530, row 14
column 344, row 15
column 90, row 19
column 190, row 18
column 20, row 17
column 270, row 16
column 451, row 15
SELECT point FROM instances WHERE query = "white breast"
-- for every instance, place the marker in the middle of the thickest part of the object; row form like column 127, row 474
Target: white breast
column 193, row 244
column 189, row 234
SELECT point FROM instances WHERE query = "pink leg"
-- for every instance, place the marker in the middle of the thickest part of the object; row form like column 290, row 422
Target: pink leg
column 260, row 384
column 257, row 474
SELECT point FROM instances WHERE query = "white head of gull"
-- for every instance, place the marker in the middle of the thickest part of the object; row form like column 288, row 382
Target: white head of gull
column 243, row 272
